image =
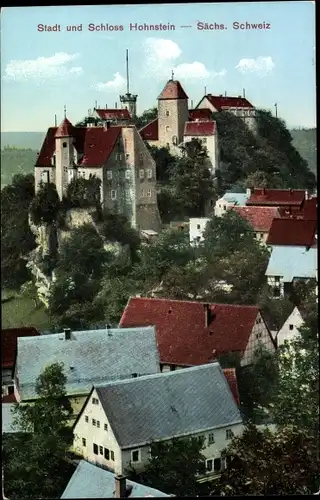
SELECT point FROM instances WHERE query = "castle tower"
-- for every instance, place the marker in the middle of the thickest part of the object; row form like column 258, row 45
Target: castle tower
column 172, row 115
column 129, row 100
column 64, row 156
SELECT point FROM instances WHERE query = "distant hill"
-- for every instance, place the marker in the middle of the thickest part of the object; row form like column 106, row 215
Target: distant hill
column 22, row 160
column 305, row 141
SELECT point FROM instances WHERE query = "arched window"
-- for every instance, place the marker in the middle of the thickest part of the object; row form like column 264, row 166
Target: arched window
column 175, row 140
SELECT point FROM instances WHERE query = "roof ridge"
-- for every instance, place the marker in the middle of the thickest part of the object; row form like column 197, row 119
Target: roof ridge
column 160, row 299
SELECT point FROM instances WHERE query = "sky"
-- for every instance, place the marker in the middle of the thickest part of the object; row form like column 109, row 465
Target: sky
column 43, row 71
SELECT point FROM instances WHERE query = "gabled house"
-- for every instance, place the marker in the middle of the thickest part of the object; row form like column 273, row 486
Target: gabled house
column 120, row 420
column 112, row 116
column 89, row 358
column 194, row 333
column 9, row 341
column 290, row 263
column 259, row 218
column 292, row 232
column 90, row 481
column 114, row 154
column 290, row 328
column 230, row 200
column 289, row 198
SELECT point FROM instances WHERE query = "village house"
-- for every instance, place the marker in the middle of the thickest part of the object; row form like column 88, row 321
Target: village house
column 289, row 264
column 290, row 328
column 239, row 106
column 285, row 198
column 90, row 481
column 114, row 154
column 293, row 232
column 9, row 341
column 230, row 200
column 259, row 218
column 194, row 333
column 197, row 226
column 132, row 414
column 89, row 358
column 307, row 211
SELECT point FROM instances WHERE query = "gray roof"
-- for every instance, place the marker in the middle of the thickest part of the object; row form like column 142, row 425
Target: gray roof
column 171, row 404
column 90, row 481
column 90, row 357
column 7, row 419
column 237, row 198
column 293, row 262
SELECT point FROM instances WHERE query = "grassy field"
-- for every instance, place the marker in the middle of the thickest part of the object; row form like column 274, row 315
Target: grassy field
column 21, row 311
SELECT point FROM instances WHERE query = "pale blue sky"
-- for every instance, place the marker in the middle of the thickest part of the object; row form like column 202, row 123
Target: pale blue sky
column 42, row 71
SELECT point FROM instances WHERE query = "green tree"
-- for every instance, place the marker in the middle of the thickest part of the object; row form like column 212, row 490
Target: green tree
column 274, row 310
column 35, row 459
column 174, row 466
column 266, row 463
column 45, row 205
column 83, row 193
column 146, row 117
column 164, row 162
column 191, row 179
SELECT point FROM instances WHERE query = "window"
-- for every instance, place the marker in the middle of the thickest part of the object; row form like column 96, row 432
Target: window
column 168, row 145
column 229, row 434
column 127, row 174
column 209, row 465
column 113, row 194
column 105, row 427
column 106, row 454
column 211, row 438
column 112, row 455
column 198, row 226
column 98, row 423
column 276, row 292
column 45, row 176
column 86, row 418
column 255, row 235
column 84, row 442
column 277, row 278
column 204, row 140
column 109, row 175
column 94, row 422
column 167, row 128
column 95, row 401
column 149, row 173
column 217, row 464
column 175, row 140
column 143, row 193
column 135, row 456
column 224, row 207
column 95, row 449
column 258, row 335
column 167, row 113
column 290, row 327
column 64, row 144
column 141, row 174
column 141, row 157
column 101, row 450
column 149, row 193
column 127, row 156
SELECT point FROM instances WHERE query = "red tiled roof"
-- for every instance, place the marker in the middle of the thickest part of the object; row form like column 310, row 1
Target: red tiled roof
column 173, row 90
column 308, row 210
column 260, row 218
column 297, row 232
column 113, row 114
column 230, row 374
column 261, row 196
column 95, row 143
column 200, row 114
column 150, row 132
column 9, row 343
column 65, row 129
column 10, row 398
column 220, row 102
column 200, row 128
column 182, row 337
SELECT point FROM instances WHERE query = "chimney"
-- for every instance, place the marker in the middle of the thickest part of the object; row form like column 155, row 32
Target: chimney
column 244, row 93
column 191, row 104
column 225, row 93
column 115, row 105
column 208, row 316
column 120, row 487
column 306, row 195
column 248, row 192
column 67, row 333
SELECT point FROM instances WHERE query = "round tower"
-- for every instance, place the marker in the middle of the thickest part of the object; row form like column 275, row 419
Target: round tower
column 65, row 164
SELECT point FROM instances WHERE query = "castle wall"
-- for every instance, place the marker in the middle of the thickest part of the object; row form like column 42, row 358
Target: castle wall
column 172, row 115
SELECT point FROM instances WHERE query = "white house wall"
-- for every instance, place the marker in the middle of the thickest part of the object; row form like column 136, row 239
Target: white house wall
column 195, row 232
column 286, row 333
column 259, row 336
column 96, row 435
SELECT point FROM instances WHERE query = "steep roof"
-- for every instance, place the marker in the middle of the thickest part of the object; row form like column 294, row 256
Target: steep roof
column 292, row 262
column 90, row 481
column 113, row 114
column 200, row 128
column 200, row 114
column 168, row 405
column 94, row 143
column 231, row 376
column 260, row 218
column 221, row 102
column 182, row 337
column 173, row 90
column 9, row 338
column 276, row 197
column 65, row 129
column 298, row 232
column 308, row 210
column 89, row 357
